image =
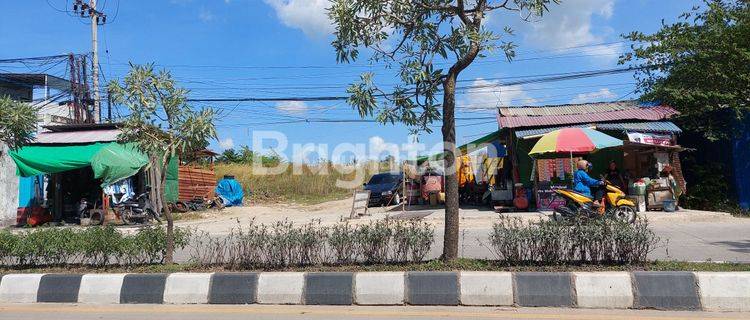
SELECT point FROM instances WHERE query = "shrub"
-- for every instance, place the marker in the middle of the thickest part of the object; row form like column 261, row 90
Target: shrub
column 97, row 246
column 594, row 241
column 284, row 244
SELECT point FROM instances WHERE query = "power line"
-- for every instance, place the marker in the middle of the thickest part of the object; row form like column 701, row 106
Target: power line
column 534, row 79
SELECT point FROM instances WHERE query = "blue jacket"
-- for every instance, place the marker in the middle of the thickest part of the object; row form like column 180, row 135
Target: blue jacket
column 582, row 183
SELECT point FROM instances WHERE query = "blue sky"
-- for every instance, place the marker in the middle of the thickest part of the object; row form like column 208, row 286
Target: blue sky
column 273, row 48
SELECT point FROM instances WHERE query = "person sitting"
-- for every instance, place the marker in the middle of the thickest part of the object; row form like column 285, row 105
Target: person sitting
column 582, row 182
column 615, row 177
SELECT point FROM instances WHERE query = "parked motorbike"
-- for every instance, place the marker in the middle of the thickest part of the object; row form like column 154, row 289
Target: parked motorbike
column 613, row 204
column 138, row 210
column 87, row 215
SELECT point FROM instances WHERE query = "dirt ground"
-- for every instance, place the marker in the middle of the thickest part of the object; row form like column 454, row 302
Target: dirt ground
column 333, row 212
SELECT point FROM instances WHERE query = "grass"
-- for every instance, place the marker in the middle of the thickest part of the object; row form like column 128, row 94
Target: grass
column 433, row 265
column 305, row 186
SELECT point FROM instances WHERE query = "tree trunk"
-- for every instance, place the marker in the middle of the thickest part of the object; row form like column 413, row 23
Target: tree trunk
column 169, row 255
column 450, row 238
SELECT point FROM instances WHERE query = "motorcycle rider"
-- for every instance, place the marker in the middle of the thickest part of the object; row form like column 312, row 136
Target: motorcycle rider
column 582, row 182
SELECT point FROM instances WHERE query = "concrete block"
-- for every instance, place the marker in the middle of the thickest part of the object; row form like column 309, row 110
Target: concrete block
column 19, row 288
column 379, row 288
column 143, row 288
column 233, row 288
column 61, row 288
column 187, row 288
column 666, row 290
column 329, row 288
column 606, row 290
column 543, row 289
column 724, row 291
column 281, row 287
column 432, row 288
column 100, row 288
column 486, row 288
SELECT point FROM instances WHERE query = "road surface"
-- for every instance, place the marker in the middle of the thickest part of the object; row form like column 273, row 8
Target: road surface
column 257, row 312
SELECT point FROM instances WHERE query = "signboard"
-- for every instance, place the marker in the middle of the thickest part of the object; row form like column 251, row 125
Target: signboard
column 650, row 138
column 546, row 198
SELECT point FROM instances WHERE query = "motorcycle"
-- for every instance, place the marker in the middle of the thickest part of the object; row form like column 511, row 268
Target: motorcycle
column 138, row 210
column 87, row 215
column 613, row 204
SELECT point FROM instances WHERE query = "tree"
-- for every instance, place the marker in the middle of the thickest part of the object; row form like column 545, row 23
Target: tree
column 17, row 122
column 701, row 66
column 161, row 124
column 229, row 156
column 425, row 33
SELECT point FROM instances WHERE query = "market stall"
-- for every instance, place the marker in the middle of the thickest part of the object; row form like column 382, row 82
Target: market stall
column 648, row 141
column 556, row 172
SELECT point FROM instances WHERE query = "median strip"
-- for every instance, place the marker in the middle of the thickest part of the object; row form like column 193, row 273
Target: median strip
column 721, row 291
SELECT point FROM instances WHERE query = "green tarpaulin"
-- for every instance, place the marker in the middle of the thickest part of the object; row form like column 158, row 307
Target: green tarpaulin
column 110, row 161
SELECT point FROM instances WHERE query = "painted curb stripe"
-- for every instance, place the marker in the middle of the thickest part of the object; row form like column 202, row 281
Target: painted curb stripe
column 20, row 288
column 59, row 288
column 666, row 290
column 432, row 288
column 329, row 288
column 543, row 289
column 654, row 290
column 233, row 288
column 143, row 288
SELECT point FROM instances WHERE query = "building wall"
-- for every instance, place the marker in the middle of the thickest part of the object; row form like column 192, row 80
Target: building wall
column 8, row 188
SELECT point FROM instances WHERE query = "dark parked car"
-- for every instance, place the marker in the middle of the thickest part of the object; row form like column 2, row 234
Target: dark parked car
column 385, row 188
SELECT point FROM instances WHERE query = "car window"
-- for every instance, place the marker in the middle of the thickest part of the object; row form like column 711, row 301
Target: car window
column 383, row 178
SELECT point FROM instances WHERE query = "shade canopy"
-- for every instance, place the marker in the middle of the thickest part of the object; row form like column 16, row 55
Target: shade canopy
column 110, row 161
column 573, row 140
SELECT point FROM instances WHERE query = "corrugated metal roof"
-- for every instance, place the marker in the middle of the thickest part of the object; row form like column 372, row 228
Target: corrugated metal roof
column 568, row 109
column 637, row 113
column 74, row 137
column 658, row 126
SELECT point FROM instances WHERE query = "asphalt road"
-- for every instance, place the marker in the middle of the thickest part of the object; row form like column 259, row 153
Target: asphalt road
column 196, row 312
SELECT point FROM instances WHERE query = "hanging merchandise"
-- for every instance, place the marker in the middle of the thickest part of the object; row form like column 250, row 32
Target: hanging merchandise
column 120, row 191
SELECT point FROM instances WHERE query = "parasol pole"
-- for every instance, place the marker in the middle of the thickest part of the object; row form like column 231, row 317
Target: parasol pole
column 572, row 168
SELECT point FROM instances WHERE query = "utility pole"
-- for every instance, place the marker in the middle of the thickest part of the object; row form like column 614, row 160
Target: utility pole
column 95, row 62
column 97, row 18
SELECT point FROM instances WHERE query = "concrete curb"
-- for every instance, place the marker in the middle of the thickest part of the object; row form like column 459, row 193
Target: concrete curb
column 724, row 291
column 721, row 291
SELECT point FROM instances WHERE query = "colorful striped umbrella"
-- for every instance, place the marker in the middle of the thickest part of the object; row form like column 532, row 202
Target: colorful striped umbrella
column 573, row 140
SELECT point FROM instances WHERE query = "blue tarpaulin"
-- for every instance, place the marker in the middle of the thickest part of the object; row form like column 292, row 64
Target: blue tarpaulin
column 230, row 191
column 741, row 152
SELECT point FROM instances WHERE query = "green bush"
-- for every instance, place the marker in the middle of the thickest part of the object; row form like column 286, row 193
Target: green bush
column 591, row 241
column 284, row 244
column 95, row 246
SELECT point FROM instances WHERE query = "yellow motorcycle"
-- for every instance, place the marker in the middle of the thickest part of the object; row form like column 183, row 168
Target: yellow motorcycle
column 614, row 204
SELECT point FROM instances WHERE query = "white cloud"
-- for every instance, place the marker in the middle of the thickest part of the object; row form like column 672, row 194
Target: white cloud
column 602, row 95
column 491, row 94
column 227, row 143
column 292, row 107
column 310, row 16
column 569, row 24
column 206, row 15
column 379, row 148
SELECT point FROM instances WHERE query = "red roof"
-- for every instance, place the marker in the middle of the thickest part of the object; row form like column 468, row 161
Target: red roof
column 648, row 113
